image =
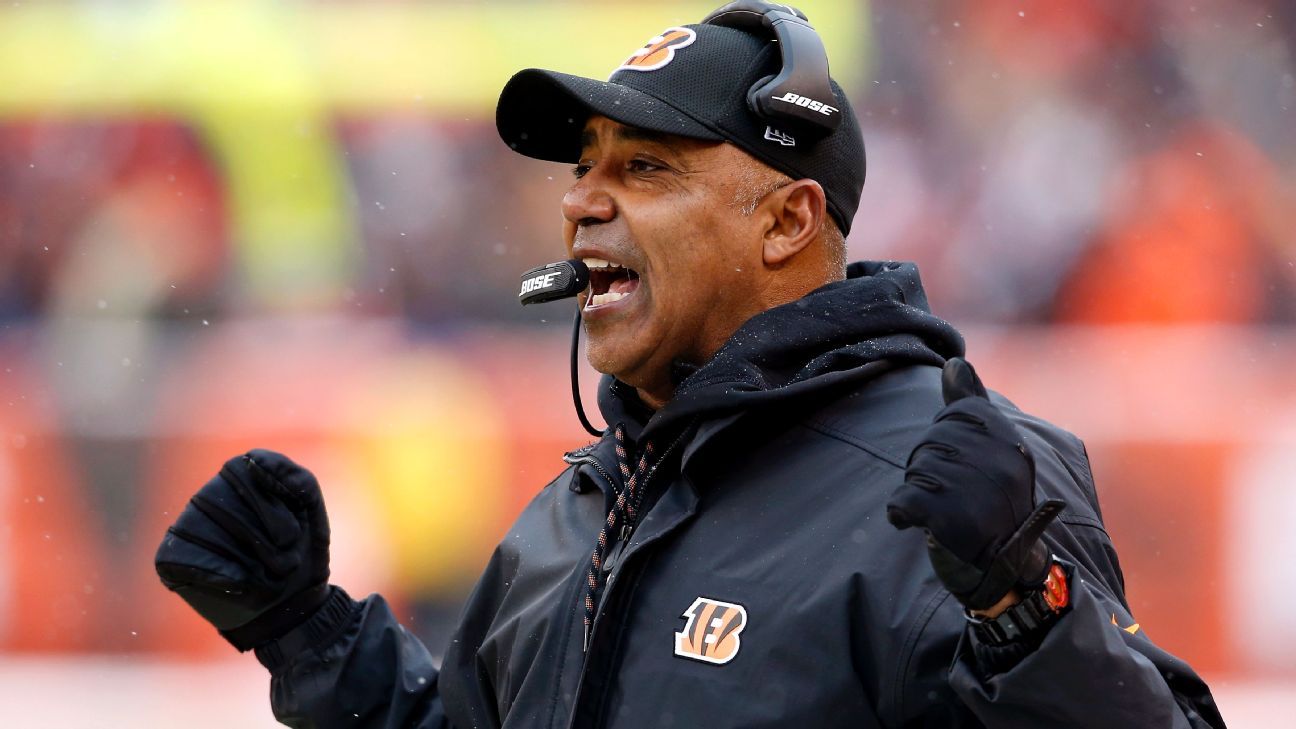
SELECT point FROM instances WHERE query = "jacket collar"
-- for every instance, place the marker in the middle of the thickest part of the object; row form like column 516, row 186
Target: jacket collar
column 835, row 338
column 838, row 335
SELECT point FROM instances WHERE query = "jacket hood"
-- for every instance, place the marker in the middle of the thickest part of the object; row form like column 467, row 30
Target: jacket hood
column 837, row 335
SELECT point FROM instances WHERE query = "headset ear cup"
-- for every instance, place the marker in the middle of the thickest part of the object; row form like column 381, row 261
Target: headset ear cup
column 758, row 97
column 748, row 15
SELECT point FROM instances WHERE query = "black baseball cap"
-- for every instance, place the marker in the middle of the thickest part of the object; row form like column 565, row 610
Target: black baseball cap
column 691, row 81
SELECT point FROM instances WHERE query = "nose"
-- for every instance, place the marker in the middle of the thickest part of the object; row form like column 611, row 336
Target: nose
column 588, row 201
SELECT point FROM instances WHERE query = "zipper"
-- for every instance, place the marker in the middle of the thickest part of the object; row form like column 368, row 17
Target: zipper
column 587, row 459
column 591, row 460
column 632, row 577
column 614, row 554
column 623, row 537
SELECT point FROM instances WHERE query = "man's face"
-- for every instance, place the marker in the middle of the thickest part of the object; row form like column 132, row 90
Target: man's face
column 661, row 210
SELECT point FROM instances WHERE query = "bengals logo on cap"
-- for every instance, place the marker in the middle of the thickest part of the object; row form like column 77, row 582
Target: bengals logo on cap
column 712, row 631
column 659, row 50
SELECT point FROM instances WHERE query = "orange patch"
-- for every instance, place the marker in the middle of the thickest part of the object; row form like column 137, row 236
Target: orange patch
column 1131, row 629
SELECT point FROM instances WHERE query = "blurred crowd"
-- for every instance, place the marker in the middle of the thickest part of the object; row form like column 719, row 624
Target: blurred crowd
column 1089, row 162
column 1094, row 161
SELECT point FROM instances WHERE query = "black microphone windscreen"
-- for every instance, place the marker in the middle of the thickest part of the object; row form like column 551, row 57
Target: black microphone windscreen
column 553, row 281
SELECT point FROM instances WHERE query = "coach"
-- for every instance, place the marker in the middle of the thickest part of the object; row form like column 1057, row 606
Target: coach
column 727, row 553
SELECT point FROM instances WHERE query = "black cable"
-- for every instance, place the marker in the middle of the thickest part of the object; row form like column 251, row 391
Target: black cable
column 575, row 378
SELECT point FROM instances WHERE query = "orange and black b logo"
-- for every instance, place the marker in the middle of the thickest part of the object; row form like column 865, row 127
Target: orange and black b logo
column 712, row 631
column 659, row 50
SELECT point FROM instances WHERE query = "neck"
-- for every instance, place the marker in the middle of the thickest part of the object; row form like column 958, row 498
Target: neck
column 775, row 291
column 651, row 400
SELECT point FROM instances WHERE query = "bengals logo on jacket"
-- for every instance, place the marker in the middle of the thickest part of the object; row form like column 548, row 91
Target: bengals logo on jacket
column 712, row 633
column 659, row 51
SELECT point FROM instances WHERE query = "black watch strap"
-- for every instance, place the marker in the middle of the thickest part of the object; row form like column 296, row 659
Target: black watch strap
column 1028, row 619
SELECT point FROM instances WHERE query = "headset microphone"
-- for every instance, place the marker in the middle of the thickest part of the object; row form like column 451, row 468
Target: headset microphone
column 552, row 282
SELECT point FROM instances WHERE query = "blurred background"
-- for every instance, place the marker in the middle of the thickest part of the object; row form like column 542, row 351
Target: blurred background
column 242, row 223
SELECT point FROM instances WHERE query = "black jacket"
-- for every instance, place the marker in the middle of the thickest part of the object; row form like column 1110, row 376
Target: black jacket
column 767, row 525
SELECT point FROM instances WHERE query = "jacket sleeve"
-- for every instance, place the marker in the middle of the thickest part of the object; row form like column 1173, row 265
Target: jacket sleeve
column 353, row 665
column 1094, row 667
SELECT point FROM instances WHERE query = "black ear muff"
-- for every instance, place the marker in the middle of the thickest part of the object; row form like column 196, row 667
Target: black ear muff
column 754, row 94
column 800, row 94
column 748, row 15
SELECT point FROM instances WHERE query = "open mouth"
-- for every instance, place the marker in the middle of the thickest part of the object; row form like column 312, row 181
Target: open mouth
column 609, row 282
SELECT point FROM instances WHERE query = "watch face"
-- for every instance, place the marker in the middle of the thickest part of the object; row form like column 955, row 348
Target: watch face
column 1036, row 611
column 1056, row 591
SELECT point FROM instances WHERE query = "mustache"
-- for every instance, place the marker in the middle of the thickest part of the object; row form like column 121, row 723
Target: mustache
column 594, row 236
column 608, row 243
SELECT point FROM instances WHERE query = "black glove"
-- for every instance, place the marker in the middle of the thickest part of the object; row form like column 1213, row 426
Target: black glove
column 971, row 484
column 250, row 552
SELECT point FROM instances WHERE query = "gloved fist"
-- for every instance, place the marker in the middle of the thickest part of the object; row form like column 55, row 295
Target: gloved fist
column 970, row 484
column 250, row 552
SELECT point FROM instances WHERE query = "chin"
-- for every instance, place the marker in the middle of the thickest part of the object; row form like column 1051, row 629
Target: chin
column 603, row 360
column 610, row 359
column 630, row 350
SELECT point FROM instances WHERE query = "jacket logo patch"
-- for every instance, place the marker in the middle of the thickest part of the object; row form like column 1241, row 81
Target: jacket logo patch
column 659, row 51
column 1131, row 629
column 712, row 631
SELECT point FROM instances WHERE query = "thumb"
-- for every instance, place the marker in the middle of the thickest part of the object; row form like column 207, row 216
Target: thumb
column 959, row 380
column 899, row 517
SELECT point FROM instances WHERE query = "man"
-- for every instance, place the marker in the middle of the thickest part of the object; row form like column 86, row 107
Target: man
column 722, row 555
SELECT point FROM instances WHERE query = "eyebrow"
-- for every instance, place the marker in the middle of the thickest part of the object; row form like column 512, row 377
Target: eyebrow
column 631, row 134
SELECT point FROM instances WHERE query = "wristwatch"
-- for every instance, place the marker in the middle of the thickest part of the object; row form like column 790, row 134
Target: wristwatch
column 1030, row 618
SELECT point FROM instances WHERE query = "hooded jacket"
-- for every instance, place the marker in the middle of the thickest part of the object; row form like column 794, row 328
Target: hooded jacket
column 761, row 585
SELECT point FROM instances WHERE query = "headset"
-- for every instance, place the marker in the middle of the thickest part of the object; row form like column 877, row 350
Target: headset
column 800, row 94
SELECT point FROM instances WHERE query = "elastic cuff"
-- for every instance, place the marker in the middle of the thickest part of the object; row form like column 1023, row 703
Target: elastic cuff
column 996, row 659
column 278, row 620
column 319, row 631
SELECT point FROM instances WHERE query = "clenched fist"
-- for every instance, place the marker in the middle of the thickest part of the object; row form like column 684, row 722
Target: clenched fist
column 250, row 552
column 970, row 484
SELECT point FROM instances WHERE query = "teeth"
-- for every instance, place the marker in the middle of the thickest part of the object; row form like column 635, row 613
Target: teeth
column 601, row 299
column 600, row 263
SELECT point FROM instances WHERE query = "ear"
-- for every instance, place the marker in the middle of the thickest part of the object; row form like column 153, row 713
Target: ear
column 796, row 215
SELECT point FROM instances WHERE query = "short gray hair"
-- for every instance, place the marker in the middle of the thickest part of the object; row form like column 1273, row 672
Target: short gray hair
column 758, row 180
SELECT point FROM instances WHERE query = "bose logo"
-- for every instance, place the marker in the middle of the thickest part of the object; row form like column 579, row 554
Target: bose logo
column 807, row 102
column 544, row 280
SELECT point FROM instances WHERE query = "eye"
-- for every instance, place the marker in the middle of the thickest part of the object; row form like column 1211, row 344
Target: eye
column 639, row 165
column 581, row 170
